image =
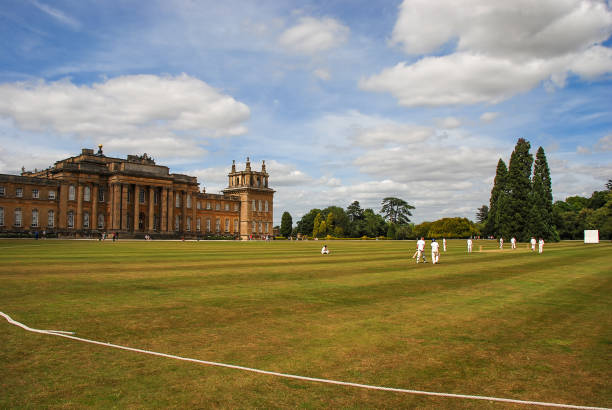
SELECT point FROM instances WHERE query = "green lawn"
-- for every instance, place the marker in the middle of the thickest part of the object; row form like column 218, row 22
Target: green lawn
column 511, row 324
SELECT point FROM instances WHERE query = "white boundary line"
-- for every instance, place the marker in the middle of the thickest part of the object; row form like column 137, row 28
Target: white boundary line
column 291, row 376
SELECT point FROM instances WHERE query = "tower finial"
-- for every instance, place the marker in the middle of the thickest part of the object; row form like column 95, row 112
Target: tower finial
column 233, row 165
column 248, row 164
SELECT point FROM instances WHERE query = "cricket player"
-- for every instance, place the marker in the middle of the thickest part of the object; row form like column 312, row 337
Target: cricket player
column 469, row 244
column 533, row 242
column 444, row 244
column 513, row 242
column 541, row 245
column 324, row 250
column 435, row 251
column 421, row 250
column 501, row 243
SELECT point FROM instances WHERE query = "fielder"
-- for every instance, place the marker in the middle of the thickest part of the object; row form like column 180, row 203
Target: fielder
column 435, row 252
column 513, row 242
column 501, row 243
column 541, row 245
column 469, row 245
column 533, row 242
column 444, row 244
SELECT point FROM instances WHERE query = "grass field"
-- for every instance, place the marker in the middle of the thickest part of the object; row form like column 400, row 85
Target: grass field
column 510, row 324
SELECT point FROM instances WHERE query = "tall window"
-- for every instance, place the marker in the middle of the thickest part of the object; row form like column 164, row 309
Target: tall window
column 156, row 195
column 18, row 217
column 260, row 227
column 100, row 221
column 266, row 206
column 34, row 218
column 217, row 206
column 70, row 219
column 267, row 227
column 177, row 222
column 259, row 205
column 198, row 205
column 198, row 226
column 86, row 194
column 235, row 225
column 51, row 219
column 218, row 225
column 51, row 194
column 254, row 227
column 19, row 192
column 101, row 194
column 188, row 227
column 236, row 207
column 1, row 216
column 129, row 196
column 188, row 201
column 207, row 205
column 141, row 196
column 227, row 223
column 2, row 191
column 35, row 194
column 71, row 193
column 85, row 219
column 253, row 208
column 177, row 199
column 208, row 225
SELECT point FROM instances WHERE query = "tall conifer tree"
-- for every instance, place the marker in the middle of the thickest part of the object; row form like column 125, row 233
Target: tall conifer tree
column 541, row 212
column 499, row 187
column 515, row 210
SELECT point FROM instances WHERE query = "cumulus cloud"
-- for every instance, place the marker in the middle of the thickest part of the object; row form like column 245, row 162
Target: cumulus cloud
column 604, row 143
column 123, row 106
column 489, row 116
column 501, row 49
column 311, row 35
column 449, row 123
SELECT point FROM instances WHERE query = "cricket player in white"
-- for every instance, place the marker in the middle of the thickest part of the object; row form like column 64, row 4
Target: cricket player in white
column 421, row 250
column 435, row 251
column 501, row 243
column 533, row 242
column 324, row 250
column 444, row 244
column 541, row 245
column 513, row 242
column 469, row 244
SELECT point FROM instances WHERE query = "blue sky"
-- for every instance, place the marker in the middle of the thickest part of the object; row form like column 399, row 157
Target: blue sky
column 344, row 100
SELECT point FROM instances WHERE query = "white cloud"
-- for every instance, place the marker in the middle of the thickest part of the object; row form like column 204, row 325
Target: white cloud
column 583, row 150
column 502, row 49
column 322, row 74
column 139, row 110
column 489, row 116
column 449, row 123
column 311, row 36
column 604, row 143
column 58, row 15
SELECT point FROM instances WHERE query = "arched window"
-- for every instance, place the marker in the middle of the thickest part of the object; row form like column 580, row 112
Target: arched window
column 18, row 217
column 100, row 221
column 51, row 218
column 70, row 219
column 85, row 219
column 86, row 194
column 34, row 218
column 71, row 193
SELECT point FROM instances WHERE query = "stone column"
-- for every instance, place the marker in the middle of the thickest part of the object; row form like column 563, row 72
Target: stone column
column 170, row 210
column 63, row 206
column 124, row 207
column 79, row 212
column 93, row 219
column 136, row 206
column 151, row 207
column 116, row 206
column 164, row 210
column 184, row 208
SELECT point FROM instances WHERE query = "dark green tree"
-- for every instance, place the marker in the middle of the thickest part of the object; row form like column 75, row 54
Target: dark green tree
column 396, row 210
column 391, row 231
column 514, row 212
column 354, row 211
column 306, row 224
column 609, row 185
column 339, row 219
column 286, row 224
column 498, row 191
column 482, row 214
column 374, row 224
column 541, row 224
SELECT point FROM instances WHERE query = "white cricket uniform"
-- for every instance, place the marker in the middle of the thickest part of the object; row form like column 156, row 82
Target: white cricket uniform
column 533, row 242
column 444, row 244
column 435, row 252
column 541, row 245
column 420, row 250
column 469, row 245
column 501, row 243
column 513, row 242
column 324, row 250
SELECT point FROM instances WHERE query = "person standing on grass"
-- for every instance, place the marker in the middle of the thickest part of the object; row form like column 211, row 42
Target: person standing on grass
column 421, row 250
column 469, row 245
column 533, row 243
column 444, row 244
column 541, row 245
column 435, row 251
column 513, row 242
column 501, row 243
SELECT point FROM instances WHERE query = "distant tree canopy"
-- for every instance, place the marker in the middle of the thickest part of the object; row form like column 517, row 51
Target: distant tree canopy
column 396, row 210
column 576, row 214
column 286, row 224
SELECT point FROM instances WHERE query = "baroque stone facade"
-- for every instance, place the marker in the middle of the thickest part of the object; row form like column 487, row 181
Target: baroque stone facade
column 91, row 193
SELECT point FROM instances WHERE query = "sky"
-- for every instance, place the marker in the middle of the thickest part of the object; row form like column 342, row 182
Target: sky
column 345, row 100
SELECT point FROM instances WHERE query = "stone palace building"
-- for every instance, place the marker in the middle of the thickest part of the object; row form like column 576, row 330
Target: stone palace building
column 91, row 193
